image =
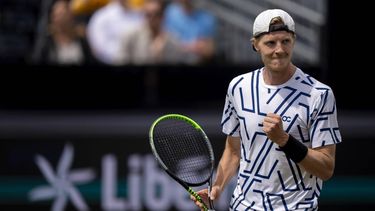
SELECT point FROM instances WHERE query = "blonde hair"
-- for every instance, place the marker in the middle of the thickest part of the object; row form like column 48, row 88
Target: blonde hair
column 276, row 21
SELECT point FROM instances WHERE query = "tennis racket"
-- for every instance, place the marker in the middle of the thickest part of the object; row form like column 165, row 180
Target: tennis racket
column 183, row 150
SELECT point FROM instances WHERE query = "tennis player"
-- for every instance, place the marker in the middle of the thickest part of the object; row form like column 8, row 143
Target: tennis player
column 281, row 127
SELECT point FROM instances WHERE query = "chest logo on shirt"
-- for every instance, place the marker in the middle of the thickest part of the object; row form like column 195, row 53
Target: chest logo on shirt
column 286, row 119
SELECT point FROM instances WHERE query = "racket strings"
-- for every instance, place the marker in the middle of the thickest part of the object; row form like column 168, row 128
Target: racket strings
column 183, row 149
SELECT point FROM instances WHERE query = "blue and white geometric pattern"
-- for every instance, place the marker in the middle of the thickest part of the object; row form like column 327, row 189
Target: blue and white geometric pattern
column 267, row 180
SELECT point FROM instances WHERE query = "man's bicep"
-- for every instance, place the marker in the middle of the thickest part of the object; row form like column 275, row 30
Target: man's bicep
column 234, row 144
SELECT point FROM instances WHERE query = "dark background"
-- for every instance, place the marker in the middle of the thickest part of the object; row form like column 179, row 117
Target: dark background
column 35, row 99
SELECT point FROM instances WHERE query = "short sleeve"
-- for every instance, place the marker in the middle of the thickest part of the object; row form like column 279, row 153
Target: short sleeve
column 324, row 129
column 230, row 124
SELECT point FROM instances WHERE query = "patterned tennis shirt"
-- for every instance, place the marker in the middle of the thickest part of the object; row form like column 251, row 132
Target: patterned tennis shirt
column 267, row 180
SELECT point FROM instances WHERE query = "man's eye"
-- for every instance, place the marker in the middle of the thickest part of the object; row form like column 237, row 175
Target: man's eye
column 270, row 43
column 286, row 41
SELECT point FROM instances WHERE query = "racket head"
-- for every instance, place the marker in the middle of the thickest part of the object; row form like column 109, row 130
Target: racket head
column 182, row 148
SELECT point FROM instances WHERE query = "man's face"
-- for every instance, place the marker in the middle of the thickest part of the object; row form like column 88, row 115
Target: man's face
column 60, row 14
column 276, row 49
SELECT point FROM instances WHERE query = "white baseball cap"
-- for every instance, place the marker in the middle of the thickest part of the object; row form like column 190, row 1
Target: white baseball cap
column 263, row 20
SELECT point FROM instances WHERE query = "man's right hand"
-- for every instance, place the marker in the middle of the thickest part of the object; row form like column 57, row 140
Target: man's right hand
column 215, row 194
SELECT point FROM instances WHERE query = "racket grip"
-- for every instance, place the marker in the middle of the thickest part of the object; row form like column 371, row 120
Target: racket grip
column 198, row 197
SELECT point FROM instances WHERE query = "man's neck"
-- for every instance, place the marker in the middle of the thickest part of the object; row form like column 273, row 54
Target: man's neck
column 272, row 77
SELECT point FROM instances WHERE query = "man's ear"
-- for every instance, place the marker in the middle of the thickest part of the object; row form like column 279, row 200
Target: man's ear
column 253, row 44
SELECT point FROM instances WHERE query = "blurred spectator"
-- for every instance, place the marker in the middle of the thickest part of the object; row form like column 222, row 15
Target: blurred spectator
column 150, row 43
column 107, row 27
column 193, row 27
column 64, row 44
column 86, row 7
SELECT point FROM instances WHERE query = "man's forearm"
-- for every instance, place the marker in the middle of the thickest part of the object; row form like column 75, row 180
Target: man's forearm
column 320, row 162
column 229, row 162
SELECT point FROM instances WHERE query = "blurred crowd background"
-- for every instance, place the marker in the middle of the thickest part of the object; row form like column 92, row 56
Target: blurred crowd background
column 81, row 81
column 78, row 32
